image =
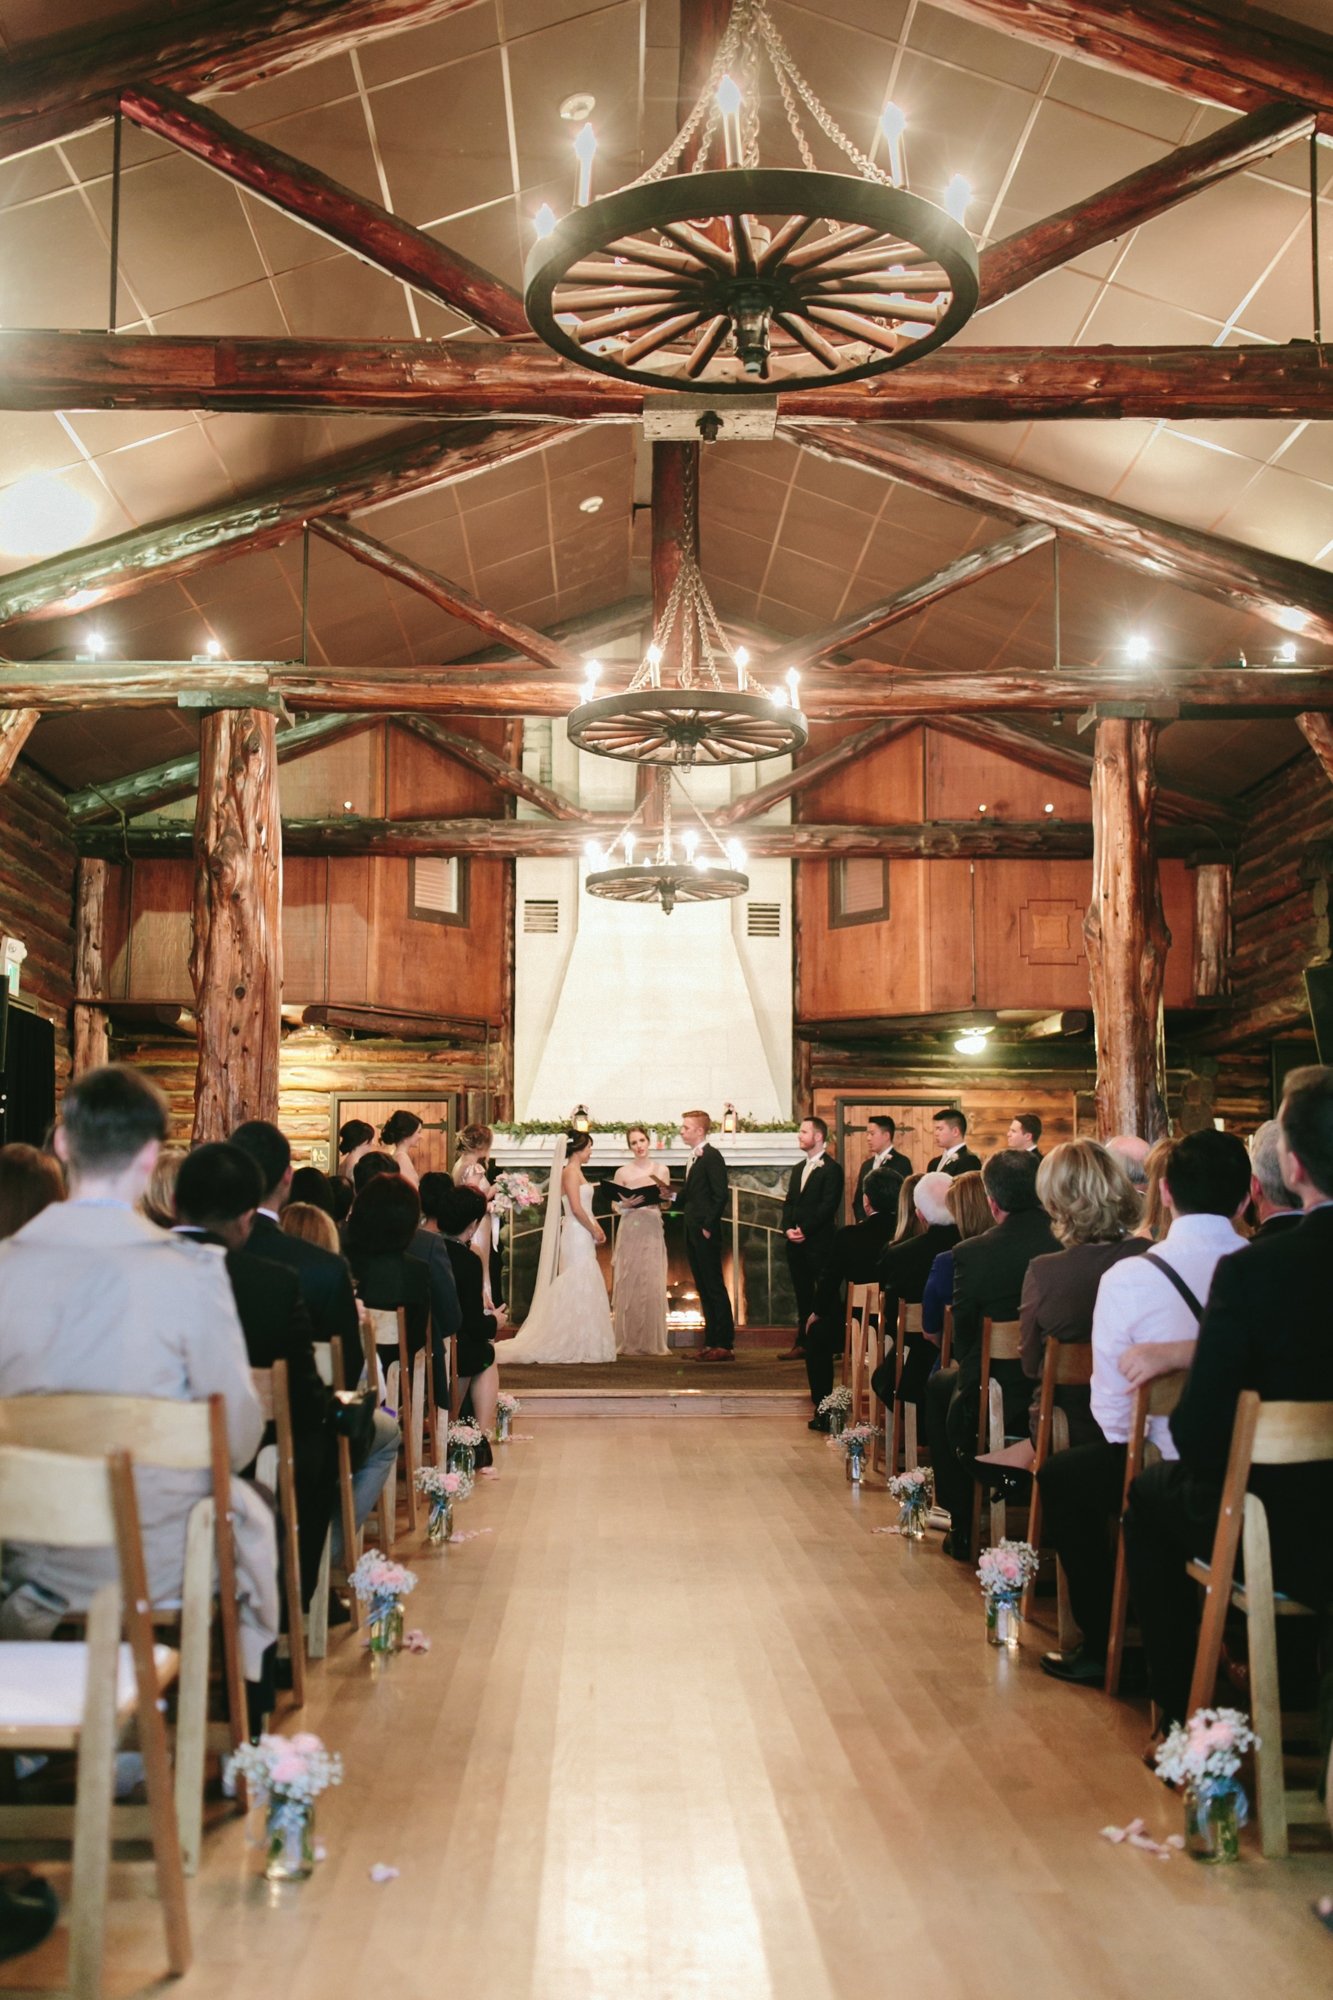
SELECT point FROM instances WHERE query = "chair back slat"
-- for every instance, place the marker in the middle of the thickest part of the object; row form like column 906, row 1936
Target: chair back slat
column 54, row 1497
column 1005, row 1338
column 1073, row 1363
column 155, row 1430
column 1293, row 1434
column 909, row 1318
column 263, row 1384
column 1164, row 1392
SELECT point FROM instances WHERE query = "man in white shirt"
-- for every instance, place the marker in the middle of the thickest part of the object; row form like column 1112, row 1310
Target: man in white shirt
column 1145, row 1323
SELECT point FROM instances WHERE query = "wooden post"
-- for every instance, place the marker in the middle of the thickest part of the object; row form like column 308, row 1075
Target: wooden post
column 90, row 1047
column 502, row 1106
column 236, row 960
column 1317, row 729
column 1126, row 935
column 1212, row 929
column 16, row 726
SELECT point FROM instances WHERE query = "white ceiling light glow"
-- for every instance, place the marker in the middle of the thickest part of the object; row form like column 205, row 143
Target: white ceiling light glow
column 43, row 516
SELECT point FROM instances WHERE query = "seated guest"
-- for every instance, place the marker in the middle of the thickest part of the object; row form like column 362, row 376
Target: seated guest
column 311, row 1225
column 951, row 1137
column 309, row 1184
column 217, row 1194
column 904, row 1269
column 882, row 1157
column 1132, row 1154
column 1155, row 1220
column 326, row 1284
column 1024, row 1133
column 1268, row 1326
column 969, row 1210
column 853, row 1259
column 94, row 1299
column 1144, row 1323
column 458, row 1212
column 385, row 1218
column 368, row 1168
column 429, row 1245
column 1274, row 1206
column 341, row 1196
column 159, row 1199
column 29, row 1182
column 988, row 1275
column 355, row 1140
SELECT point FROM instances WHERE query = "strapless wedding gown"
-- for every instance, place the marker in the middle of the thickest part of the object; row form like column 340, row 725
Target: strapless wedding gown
column 571, row 1320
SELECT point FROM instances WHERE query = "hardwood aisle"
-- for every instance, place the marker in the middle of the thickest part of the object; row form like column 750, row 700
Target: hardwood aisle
column 688, row 1729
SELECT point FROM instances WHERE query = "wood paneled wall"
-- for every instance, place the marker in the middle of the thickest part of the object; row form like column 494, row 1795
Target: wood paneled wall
column 37, row 864
column 1280, row 891
column 989, row 934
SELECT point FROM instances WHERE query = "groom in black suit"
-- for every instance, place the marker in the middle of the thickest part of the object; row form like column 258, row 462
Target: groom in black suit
column 703, row 1202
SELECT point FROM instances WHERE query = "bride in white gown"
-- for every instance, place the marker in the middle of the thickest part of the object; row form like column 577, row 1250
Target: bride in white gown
column 570, row 1316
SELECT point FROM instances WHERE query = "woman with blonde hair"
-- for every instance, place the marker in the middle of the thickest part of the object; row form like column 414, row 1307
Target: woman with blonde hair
column 311, row 1225
column 158, row 1201
column 1155, row 1221
column 909, row 1222
column 474, row 1146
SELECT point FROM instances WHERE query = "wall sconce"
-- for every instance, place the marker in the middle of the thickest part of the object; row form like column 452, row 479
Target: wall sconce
column 729, row 1118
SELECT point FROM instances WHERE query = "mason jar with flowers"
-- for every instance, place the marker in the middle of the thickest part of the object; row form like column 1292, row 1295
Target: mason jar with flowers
column 1004, row 1573
column 441, row 1490
column 462, row 1454
column 507, row 1408
column 913, row 1491
column 854, row 1444
column 1202, row 1756
column 284, row 1776
column 382, row 1585
column 836, row 1406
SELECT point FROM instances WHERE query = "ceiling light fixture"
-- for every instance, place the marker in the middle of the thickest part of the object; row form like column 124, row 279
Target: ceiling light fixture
column 1137, row 648
column 41, row 516
column 1287, row 653
column 973, row 1043
column 663, row 877
column 751, row 278
column 591, row 504
column 578, row 108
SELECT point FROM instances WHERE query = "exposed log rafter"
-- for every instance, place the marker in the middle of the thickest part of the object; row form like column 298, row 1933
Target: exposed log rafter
column 178, row 778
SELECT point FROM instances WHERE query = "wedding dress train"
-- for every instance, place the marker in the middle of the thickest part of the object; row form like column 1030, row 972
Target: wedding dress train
column 570, row 1318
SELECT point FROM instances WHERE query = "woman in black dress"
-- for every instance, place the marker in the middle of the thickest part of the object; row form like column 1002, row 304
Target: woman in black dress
column 385, row 1217
column 459, row 1212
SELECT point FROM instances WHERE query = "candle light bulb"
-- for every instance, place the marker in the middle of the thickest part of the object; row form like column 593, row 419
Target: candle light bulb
column 736, row 854
column 594, row 853
column 690, row 841
column 793, row 687
column 729, row 104
column 544, row 220
column 779, row 697
column 957, row 196
column 893, row 124
column 585, row 147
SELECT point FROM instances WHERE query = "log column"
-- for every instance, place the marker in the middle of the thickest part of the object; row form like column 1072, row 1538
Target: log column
column 16, row 726
column 1126, row 935
column 1212, row 929
column 236, row 959
column 1317, row 729
column 90, row 1047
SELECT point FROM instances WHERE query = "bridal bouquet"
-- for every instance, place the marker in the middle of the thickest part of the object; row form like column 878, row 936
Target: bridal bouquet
column 913, row 1491
column 383, row 1585
column 835, row 1407
column 1202, row 1756
column 515, row 1190
column 441, row 1489
column 285, row 1775
column 506, row 1409
column 1004, row 1573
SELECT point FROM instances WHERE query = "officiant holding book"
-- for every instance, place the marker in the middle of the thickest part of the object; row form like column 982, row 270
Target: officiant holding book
column 639, row 1265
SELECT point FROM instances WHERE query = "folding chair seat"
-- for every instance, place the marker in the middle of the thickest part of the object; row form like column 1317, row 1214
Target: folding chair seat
column 999, row 1342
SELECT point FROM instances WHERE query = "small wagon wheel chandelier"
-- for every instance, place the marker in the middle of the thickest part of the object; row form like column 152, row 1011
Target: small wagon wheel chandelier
column 697, row 720
column 749, row 279
column 677, row 873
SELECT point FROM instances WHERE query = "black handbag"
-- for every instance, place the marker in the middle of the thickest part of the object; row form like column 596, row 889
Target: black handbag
column 354, row 1419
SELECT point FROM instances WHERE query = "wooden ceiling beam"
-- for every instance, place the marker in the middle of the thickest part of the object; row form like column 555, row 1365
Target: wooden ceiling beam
column 1008, row 266
column 16, row 726
column 456, row 378
column 868, row 692
column 351, row 221
column 178, row 778
column 1292, row 595
column 450, row 597
column 85, row 577
column 510, row 839
column 67, row 82
column 1188, row 49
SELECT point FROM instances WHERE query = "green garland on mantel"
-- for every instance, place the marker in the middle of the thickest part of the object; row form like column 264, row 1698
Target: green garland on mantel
column 545, row 1128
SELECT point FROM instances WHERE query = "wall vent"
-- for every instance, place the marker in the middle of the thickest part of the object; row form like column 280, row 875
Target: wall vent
column 541, row 918
column 763, row 920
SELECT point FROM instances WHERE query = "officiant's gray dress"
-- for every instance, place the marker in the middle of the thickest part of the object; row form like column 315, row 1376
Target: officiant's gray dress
column 639, row 1270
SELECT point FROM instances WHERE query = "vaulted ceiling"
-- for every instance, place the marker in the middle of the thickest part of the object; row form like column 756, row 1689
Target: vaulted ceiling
column 455, row 126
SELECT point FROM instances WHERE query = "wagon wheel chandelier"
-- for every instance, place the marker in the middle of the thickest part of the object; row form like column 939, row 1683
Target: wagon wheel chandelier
column 679, row 872
column 744, row 278
column 696, row 720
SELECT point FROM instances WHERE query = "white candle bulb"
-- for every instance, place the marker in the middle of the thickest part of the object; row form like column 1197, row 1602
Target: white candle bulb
column 594, row 853
column 957, row 196
column 544, row 220
column 893, row 124
column 729, row 104
column 585, row 147
column 779, row 696
column 793, row 685
column 690, row 841
column 736, row 854
column 629, row 850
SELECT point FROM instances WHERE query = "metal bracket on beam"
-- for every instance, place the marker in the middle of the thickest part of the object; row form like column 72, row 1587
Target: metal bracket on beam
column 239, row 698
column 1128, row 711
column 685, row 418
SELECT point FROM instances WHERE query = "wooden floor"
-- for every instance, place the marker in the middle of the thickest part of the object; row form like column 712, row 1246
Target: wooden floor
column 755, row 1368
column 688, row 1728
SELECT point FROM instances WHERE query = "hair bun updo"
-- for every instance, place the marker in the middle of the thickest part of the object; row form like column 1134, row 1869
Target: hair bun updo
column 399, row 1128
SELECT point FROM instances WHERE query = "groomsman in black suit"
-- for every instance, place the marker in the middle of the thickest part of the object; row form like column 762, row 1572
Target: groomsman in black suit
column 810, row 1215
column 953, row 1157
column 882, row 1158
column 703, row 1202
column 1024, row 1134
column 852, row 1259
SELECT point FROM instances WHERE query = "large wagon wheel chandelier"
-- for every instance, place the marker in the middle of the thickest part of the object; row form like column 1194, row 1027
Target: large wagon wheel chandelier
column 744, row 278
column 695, row 720
column 679, row 872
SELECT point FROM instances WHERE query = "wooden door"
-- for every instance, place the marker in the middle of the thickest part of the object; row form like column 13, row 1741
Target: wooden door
column 913, row 1137
column 435, row 1147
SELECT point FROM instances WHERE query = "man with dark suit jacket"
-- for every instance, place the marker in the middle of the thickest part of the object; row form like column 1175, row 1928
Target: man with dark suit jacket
column 884, row 1158
column 953, row 1157
column 703, row 1202
column 852, row 1259
column 217, row 1193
column 810, row 1215
column 1268, row 1326
column 326, row 1282
column 904, row 1268
column 988, row 1274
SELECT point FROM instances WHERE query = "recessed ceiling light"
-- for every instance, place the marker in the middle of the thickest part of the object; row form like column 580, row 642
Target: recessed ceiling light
column 578, row 107
column 971, row 1044
column 1136, row 648
column 591, row 504
column 41, row 516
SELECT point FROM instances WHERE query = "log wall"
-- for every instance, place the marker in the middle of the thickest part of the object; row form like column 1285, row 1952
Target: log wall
column 1280, row 891
column 37, row 867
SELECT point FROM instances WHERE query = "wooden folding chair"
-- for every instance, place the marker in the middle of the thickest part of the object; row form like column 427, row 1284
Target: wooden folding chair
column 860, row 1299
column 346, row 1499
column 455, row 1387
column 1264, row 1434
column 386, row 1507
column 1066, row 1364
column 177, row 1437
column 904, row 1419
column 946, row 1343
column 83, row 1695
column 1157, row 1398
column 999, row 1342
column 275, row 1400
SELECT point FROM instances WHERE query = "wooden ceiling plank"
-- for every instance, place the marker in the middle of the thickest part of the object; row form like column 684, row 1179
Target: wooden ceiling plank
column 103, row 571
column 506, row 777
column 1295, row 596
column 423, row 379
column 65, row 83
column 178, row 778
column 379, row 239
column 1009, row 265
column 450, row 597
